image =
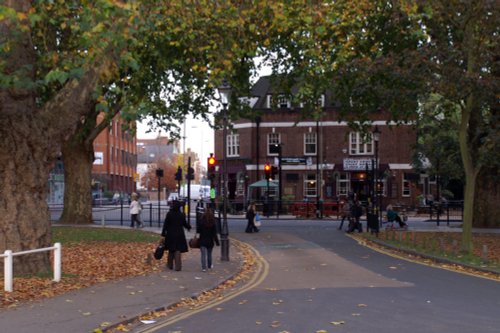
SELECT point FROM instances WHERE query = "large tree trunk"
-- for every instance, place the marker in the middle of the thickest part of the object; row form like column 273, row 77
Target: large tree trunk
column 78, row 158
column 31, row 138
column 486, row 208
column 24, row 168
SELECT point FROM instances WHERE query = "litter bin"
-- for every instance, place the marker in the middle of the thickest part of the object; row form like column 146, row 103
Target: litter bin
column 372, row 222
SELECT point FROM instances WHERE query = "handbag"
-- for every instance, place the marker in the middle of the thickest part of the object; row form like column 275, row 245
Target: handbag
column 160, row 249
column 256, row 220
column 194, row 243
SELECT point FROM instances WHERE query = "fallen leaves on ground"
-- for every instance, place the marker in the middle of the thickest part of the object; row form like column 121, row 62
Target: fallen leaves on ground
column 444, row 242
column 84, row 265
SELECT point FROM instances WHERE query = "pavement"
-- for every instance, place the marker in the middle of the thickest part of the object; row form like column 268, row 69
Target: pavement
column 108, row 304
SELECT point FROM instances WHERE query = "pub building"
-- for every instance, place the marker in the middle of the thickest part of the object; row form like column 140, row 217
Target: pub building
column 317, row 161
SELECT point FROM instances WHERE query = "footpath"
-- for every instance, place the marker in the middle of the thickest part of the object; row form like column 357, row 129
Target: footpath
column 107, row 304
column 110, row 303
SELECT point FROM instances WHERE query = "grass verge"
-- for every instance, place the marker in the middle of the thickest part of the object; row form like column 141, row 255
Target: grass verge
column 444, row 247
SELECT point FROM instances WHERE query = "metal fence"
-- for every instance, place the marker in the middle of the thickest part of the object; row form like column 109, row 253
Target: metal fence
column 153, row 213
column 9, row 263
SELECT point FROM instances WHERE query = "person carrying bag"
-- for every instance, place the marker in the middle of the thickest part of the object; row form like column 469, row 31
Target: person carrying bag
column 208, row 237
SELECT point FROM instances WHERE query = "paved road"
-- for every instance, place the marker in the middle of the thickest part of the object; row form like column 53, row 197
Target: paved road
column 320, row 280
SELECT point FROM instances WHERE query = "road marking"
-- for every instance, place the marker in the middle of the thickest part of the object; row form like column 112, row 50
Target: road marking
column 259, row 275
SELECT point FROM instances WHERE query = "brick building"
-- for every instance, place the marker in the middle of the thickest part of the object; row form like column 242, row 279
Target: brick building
column 321, row 159
column 115, row 162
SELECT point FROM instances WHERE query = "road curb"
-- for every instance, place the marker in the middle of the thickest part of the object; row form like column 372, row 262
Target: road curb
column 111, row 328
column 440, row 260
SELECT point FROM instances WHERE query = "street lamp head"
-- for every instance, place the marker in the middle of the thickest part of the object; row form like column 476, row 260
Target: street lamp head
column 224, row 92
column 376, row 134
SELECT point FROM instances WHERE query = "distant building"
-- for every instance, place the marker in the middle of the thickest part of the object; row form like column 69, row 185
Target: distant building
column 115, row 152
column 150, row 151
column 321, row 159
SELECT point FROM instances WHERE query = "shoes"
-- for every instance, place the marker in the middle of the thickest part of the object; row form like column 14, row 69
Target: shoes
column 203, row 270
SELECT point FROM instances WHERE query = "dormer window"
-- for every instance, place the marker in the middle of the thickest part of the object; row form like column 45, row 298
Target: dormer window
column 282, row 102
column 321, row 102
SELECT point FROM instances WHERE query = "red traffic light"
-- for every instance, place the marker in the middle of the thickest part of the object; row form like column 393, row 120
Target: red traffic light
column 211, row 163
column 267, row 170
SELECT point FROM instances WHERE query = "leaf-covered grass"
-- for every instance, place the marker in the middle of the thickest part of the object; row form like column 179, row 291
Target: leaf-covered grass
column 446, row 245
column 90, row 255
column 68, row 235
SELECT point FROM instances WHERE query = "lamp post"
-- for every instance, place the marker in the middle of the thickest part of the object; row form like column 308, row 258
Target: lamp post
column 159, row 174
column 280, row 197
column 225, row 94
column 376, row 199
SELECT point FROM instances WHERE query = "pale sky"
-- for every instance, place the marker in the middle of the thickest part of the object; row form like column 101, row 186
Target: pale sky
column 199, row 136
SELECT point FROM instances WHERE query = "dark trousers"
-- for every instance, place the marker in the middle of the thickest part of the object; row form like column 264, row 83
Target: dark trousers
column 251, row 227
column 401, row 223
column 135, row 219
column 174, row 258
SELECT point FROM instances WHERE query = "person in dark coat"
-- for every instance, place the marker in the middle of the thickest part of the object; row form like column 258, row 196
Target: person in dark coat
column 175, row 239
column 356, row 213
column 208, row 237
column 251, row 211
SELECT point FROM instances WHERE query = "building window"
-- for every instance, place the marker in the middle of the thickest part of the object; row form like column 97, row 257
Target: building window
column 273, row 141
column 381, row 187
column 343, row 184
column 282, row 102
column 406, row 185
column 321, row 102
column 310, row 185
column 233, row 145
column 360, row 145
column 310, row 144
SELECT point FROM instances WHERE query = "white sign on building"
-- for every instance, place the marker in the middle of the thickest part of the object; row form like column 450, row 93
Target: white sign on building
column 351, row 164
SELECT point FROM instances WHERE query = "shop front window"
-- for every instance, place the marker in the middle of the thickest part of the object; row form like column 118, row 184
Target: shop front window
column 310, row 188
column 343, row 184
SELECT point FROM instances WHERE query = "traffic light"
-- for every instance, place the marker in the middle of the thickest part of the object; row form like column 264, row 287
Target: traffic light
column 267, row 170
column 190, row 174
column 274, row 172
column 159, row 173
column 211, row 163
column 178, row 174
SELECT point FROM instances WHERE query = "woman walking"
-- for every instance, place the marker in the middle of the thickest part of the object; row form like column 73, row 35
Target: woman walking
column 135, row 210
column 251, row 212
column 175, row 239
column 208, row 237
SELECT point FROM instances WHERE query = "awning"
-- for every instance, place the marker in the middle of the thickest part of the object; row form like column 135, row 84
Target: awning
column 263, row 183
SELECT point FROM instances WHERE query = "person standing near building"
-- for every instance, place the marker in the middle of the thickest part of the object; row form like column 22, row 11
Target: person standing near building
column 356, row 213
column 208, row 237
column 251, row 212
column 346, row 213
column 135, row 210
column 175, row 238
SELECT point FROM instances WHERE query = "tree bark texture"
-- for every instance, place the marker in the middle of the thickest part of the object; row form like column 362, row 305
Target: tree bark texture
column 78, row 158
column 25, row 155
column 486, row 207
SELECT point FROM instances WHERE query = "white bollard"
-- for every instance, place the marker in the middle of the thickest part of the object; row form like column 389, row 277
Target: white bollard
column 7, row 269
column 103, row 221
column 57, row 262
